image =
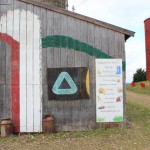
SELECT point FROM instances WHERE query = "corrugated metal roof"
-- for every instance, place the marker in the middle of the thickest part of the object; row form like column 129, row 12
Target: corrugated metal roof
column 126, row 32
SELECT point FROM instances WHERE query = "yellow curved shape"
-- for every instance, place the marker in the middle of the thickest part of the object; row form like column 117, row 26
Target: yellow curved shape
column 88, row 82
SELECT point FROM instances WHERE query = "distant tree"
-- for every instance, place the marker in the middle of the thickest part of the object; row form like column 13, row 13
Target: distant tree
column 140, row 75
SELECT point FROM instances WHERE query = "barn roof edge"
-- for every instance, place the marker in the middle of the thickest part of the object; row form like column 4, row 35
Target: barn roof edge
column 126, row 32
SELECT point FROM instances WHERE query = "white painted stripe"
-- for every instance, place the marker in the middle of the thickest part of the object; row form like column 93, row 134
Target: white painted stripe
column 36, row 76
column 30, row 108
column 23, row 107
column 16, row 27
column 30, row 40
column 3, row 20
column 34, row 72
column 30, row 71
column 37, row 67
column 37, row 112
column 23, row 68
column 10, row 24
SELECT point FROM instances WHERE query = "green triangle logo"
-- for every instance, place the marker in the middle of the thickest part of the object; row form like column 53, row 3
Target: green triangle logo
column 69, row 91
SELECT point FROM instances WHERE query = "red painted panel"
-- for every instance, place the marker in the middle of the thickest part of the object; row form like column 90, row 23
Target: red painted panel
column 147, row 43
column 15, row 94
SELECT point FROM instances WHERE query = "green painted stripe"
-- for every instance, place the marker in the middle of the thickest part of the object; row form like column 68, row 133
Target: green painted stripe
column 123, row 65
column 60, row 41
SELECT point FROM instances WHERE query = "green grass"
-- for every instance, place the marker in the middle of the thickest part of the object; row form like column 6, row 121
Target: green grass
column 138, row 115
column 138, row 89
column 135, row 135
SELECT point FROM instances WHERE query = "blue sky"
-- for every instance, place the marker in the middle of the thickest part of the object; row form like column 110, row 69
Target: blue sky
column 128, row 14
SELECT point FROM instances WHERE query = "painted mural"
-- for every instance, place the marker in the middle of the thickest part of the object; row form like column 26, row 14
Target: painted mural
column 68, row 83
column 23, row 36
column 61, row 41
column 21, row 30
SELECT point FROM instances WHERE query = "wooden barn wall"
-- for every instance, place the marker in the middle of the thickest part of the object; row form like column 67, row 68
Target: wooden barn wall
column 5, row 105
column 69, row 114
column 20, row 31
column 76, row 114
column 4, row 81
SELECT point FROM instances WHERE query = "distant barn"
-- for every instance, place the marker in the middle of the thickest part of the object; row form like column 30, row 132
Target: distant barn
column 47, row 63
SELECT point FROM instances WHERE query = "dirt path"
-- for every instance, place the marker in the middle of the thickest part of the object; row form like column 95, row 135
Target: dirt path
column 138, row 98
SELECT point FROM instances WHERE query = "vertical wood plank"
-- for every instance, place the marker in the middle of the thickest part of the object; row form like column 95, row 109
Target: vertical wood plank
column 16, row 21
column 98, row 44
column 15, row 58
column 63, row 63
column 71, row 32
column 57, row 60
column 64, row 32
column 30, row 68
column 117, row 45
column 8, row 50
column 8, row 59
column 23, row 69
column 37, row 75
column 84, row 38
column 84, row 63
column 3, row 29
column 3, row 18
column 50, row 51
column 7, row 100
column 2, row 62
column 43, row 18
column 98, row 37
column 57, row 31
column 91, row 41
column 121, row 46
column 8, row 62
column 71, row 63
column 111, row 43
column 49, row 59
column 77, row 33
column 76, row 115
column 104, row 36
column 2, row 101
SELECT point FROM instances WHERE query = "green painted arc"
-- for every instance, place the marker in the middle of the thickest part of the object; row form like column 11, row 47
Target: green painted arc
column 61, row 41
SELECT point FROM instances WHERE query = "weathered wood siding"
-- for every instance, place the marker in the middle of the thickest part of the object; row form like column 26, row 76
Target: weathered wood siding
column 77, row 114
column 70, row 115
column 20, row 29
column 56, row 3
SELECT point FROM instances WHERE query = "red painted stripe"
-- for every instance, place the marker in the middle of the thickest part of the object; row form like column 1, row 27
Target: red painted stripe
column 15, row 85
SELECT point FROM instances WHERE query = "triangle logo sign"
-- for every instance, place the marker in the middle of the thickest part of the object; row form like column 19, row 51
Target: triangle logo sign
column 67, row 91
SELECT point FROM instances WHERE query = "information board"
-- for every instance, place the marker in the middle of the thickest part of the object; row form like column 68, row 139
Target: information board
column 109, row 90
